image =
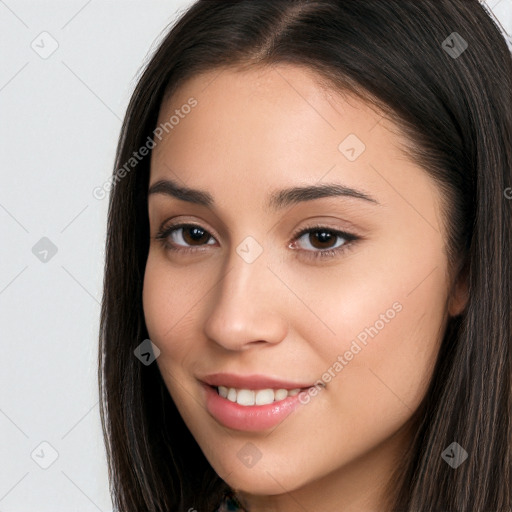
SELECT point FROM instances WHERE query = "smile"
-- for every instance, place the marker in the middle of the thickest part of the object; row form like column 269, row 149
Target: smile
column 251, row 410
column 248, row 397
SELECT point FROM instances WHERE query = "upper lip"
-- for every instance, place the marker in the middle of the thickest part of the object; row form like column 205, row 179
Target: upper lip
column 231, row 380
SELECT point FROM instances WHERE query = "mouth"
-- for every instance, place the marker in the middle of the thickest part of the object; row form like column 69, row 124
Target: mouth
column 251, row 403
column 249, row 397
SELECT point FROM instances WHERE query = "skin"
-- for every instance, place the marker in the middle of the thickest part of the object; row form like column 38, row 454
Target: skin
column 287, row 315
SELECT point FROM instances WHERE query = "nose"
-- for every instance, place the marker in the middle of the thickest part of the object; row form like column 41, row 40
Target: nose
column 246, row 306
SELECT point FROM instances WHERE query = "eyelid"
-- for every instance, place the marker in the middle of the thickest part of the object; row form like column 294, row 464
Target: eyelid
column 349, row 237
column 169, row 224
column 330, row 253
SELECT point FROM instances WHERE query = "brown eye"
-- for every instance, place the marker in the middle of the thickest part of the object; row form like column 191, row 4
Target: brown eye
column 322, row 238
column 183, row 237
column 194, row 235
column 320, row 241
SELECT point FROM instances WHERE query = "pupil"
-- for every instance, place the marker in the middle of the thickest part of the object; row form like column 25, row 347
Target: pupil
column 323, row 236
column 197, row 233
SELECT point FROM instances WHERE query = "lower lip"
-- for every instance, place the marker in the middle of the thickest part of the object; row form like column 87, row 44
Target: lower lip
column 248, row 417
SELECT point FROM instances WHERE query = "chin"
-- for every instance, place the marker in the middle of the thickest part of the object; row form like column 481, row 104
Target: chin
column 259, row 484
column 261, row 479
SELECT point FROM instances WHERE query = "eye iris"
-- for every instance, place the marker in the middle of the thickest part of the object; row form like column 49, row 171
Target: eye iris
column 317, row 238
column 322, row 237
column 197, row 235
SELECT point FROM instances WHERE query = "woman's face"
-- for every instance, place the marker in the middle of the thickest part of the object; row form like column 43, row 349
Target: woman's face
column 261, row 293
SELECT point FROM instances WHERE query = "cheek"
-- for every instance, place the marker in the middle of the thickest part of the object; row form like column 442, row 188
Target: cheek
column 172, row 300
column 388, row 321
column 169, row 297
column 163, row 309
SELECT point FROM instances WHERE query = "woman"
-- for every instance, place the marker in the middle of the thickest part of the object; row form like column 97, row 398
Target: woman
column 308, row 273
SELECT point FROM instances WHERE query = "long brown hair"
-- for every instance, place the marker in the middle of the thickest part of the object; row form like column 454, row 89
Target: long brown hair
column 456, row 111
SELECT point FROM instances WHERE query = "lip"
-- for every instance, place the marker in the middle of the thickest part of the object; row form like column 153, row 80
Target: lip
column 254, row 382
column 251, row 418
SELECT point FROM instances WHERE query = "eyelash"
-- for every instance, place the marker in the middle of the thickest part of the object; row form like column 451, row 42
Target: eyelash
column 164, row 233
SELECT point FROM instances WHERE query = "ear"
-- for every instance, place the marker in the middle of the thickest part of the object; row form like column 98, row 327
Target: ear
column 459, row 296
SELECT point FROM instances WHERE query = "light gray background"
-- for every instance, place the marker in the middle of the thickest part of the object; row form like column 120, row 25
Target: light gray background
column 60, row 116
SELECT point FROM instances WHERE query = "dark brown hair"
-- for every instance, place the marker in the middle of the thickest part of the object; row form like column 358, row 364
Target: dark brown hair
column 456, row 113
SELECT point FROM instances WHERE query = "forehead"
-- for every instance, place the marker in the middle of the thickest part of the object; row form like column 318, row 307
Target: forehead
column 268, row 101
column 268, row 128
column 275, row 105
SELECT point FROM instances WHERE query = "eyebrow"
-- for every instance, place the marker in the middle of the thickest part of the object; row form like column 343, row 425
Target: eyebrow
column 277, row 200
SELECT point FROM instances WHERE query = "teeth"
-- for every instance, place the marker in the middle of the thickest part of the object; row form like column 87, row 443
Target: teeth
column 265, row 396
column 245, row 397
column 231, row 395
column 255, row 397
column 281, row 393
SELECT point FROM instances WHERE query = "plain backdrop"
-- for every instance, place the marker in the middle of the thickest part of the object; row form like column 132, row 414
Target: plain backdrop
column 67, row 71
